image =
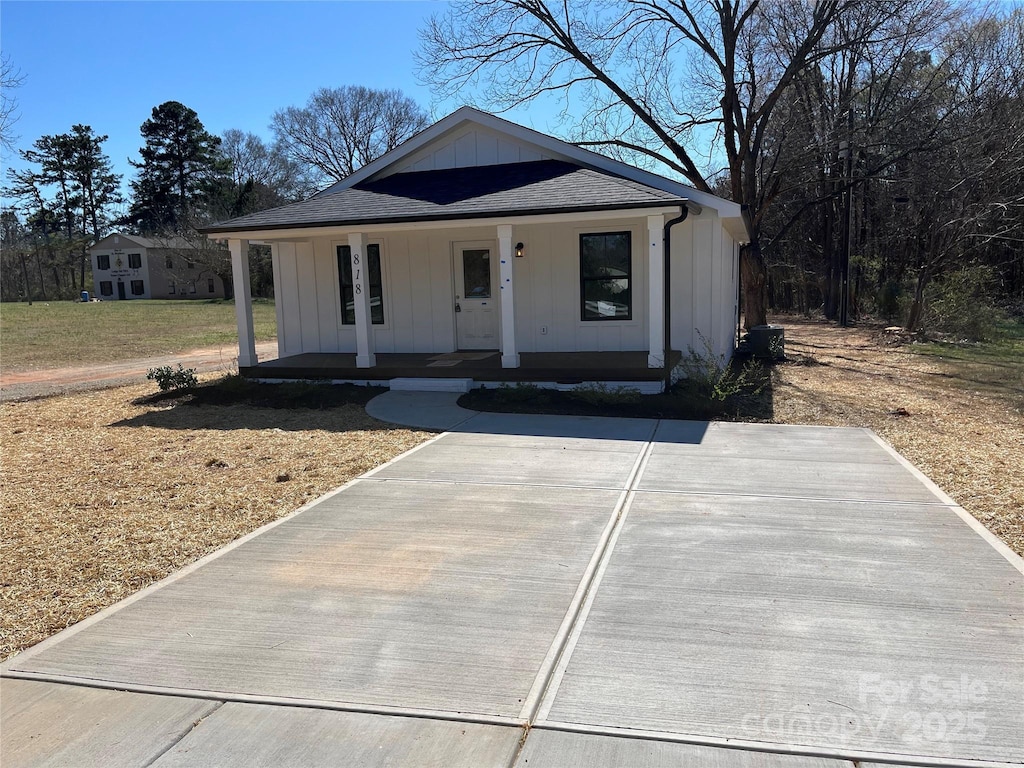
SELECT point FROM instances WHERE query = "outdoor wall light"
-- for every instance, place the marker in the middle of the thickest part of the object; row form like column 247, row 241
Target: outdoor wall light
column 519, row 250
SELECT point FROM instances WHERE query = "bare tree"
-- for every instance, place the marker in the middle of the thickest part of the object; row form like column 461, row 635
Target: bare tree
column 341, row 129
column 661, row 79
column 10, row 79
column 265, row 165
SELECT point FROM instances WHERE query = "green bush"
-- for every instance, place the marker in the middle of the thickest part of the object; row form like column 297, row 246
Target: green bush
column 168, row 378
column 602, row 394
column 709, row 375
column 959, row 304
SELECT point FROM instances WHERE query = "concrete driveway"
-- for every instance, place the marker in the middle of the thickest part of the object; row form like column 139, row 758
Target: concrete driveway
column 637, row 592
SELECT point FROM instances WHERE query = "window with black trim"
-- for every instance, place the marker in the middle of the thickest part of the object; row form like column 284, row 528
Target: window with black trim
column 169, row 262
column 210, row 287
column 102, row 261
column 106, row 288
column 138, row 287
column 373, row 278
column 134, row 261
column 606, row 276
column 170, row 288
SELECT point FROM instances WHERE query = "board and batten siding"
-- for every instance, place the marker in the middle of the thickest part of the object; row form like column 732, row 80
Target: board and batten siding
column 704, row 274
column 470, row 147
column 419, row 292
column 547, row 286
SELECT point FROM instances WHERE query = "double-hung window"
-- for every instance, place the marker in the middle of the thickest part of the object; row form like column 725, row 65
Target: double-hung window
column 374, row 280
column 102, row 261
column 606, row 276
column 135, row 261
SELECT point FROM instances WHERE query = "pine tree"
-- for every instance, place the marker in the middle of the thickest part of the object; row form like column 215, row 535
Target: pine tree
column 181, row 164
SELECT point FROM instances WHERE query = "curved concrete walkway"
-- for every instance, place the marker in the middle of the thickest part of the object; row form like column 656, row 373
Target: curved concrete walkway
column 425, row 410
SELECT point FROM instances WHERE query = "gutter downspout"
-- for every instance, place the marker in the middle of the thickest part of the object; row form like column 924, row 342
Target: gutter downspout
column 667, row 300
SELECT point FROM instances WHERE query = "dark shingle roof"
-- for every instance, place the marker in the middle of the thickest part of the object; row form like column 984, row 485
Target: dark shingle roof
column 545, row 186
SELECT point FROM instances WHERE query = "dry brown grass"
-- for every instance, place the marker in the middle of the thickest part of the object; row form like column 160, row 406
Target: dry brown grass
column 102, row 497
column 967, row 438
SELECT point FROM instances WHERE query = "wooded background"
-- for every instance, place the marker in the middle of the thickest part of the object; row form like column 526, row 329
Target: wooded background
column 871, row 141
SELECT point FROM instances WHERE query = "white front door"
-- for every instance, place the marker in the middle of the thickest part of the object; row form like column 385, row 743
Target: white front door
column 477, row 313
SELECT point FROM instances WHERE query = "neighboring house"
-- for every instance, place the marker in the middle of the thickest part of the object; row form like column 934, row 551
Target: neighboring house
column 482, row 250
column 133, row 267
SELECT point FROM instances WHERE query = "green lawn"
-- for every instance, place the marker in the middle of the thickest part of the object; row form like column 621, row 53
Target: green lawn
column 56, row 334
column 995, row 367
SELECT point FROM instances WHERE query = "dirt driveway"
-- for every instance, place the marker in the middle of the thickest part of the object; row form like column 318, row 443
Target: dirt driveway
column 54, row 381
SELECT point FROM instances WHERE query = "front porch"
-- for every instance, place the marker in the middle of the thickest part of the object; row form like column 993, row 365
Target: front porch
column 549, row 367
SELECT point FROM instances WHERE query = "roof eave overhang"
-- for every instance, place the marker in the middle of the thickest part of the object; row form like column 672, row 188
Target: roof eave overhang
column 439, row 221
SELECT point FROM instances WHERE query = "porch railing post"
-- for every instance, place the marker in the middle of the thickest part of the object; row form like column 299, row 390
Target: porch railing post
column 365, row 357
column 509, row 355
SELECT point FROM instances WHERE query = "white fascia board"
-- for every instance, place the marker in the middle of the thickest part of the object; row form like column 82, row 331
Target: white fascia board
column 543, row 142
column 736, row 227
column 308, row 233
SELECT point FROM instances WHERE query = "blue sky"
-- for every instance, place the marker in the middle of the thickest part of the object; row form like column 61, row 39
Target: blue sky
column 107, row 64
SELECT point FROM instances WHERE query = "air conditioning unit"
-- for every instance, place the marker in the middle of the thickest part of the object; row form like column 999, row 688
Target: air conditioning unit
column 767, row 342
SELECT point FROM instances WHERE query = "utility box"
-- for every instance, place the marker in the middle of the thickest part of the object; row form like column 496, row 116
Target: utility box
column 767, row 342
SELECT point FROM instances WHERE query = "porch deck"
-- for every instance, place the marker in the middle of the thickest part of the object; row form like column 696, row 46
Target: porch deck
column 559, row 367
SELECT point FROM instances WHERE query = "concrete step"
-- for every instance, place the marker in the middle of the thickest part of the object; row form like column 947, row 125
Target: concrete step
column 430, row 385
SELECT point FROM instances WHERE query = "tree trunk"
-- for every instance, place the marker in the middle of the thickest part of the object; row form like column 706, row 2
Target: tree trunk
column 917, row 306
column 42, row 281
column 24, row 271
column 752, row 276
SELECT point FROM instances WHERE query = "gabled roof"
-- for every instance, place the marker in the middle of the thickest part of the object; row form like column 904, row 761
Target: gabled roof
column 546, row 144
column 544, row 186
column 143, row 242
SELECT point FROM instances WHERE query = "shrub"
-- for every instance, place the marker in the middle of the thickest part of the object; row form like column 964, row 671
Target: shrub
column 603, row 395
column 960, row 304
column 710, row 376
column 168, row 378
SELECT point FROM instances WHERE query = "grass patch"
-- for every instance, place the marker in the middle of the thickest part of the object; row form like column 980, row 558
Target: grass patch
column 995, row 367
column 58, row 334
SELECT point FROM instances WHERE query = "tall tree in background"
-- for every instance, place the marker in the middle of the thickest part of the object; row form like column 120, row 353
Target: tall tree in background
column 342, row 129
column 181, row 163
column 660, row 79
column 84, row 189
column 260, row 176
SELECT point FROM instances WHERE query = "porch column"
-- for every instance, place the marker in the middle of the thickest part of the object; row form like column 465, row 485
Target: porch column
column 656, row 291
column 239, row 250
column 365, row 357
column 509, row 356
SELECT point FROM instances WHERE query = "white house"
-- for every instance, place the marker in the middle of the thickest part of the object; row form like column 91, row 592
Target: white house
column 480, row 250
column 133, row 267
